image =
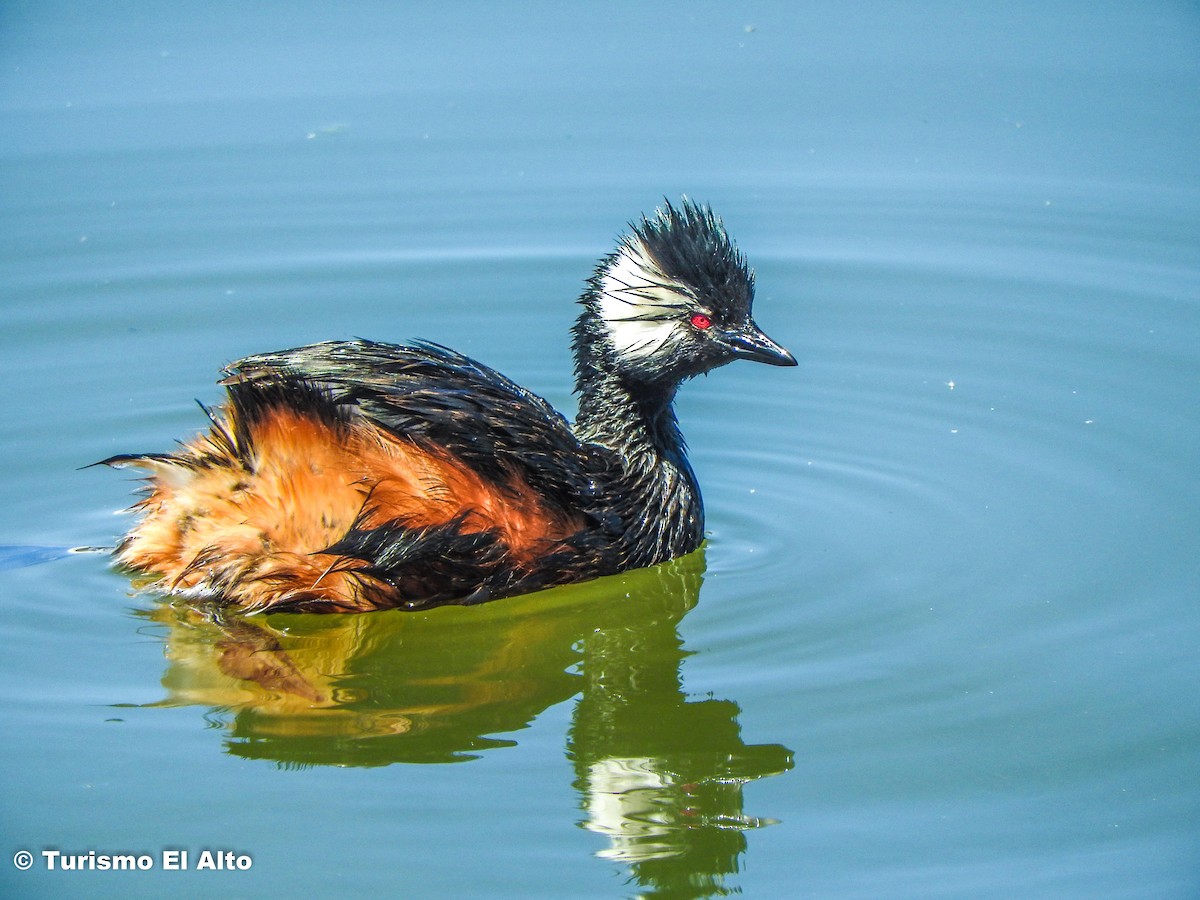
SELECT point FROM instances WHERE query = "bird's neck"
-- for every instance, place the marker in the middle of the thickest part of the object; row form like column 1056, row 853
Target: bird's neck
column 636, row 420
column 655, row 493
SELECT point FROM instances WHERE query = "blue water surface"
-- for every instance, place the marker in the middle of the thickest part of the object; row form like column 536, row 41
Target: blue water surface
column 942, row 640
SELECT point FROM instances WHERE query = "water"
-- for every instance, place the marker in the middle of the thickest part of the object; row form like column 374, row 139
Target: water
column 942, row 640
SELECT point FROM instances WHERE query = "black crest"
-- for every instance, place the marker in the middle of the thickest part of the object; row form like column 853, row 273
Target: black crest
column 689, row 244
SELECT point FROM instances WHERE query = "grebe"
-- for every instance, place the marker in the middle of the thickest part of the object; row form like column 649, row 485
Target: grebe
column 350, row 476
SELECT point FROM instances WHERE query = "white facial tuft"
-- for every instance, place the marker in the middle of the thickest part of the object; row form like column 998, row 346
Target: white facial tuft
column 640, row 306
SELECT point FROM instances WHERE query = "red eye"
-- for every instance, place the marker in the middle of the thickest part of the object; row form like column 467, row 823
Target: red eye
column 701, row 321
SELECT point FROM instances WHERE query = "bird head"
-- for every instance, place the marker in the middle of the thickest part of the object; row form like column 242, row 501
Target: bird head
column 672, row 301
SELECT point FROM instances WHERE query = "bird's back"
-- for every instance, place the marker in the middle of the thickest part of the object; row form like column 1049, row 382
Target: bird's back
column 359, row 475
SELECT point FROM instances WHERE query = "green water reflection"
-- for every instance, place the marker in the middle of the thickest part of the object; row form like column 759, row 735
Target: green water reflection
column 659, row 774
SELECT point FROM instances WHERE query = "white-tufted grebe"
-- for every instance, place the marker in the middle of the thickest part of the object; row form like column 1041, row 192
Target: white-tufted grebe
column 351, row 476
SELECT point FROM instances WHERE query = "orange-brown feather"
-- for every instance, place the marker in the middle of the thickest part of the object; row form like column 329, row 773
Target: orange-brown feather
column 254, row 530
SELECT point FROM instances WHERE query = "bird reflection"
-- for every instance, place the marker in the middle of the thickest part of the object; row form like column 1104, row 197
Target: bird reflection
column 659, row 775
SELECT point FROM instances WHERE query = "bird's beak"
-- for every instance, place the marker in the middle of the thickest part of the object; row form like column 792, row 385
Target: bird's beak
column 750, row 343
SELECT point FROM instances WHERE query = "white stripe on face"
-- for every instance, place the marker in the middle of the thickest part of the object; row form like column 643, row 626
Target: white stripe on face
column 640, row 306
